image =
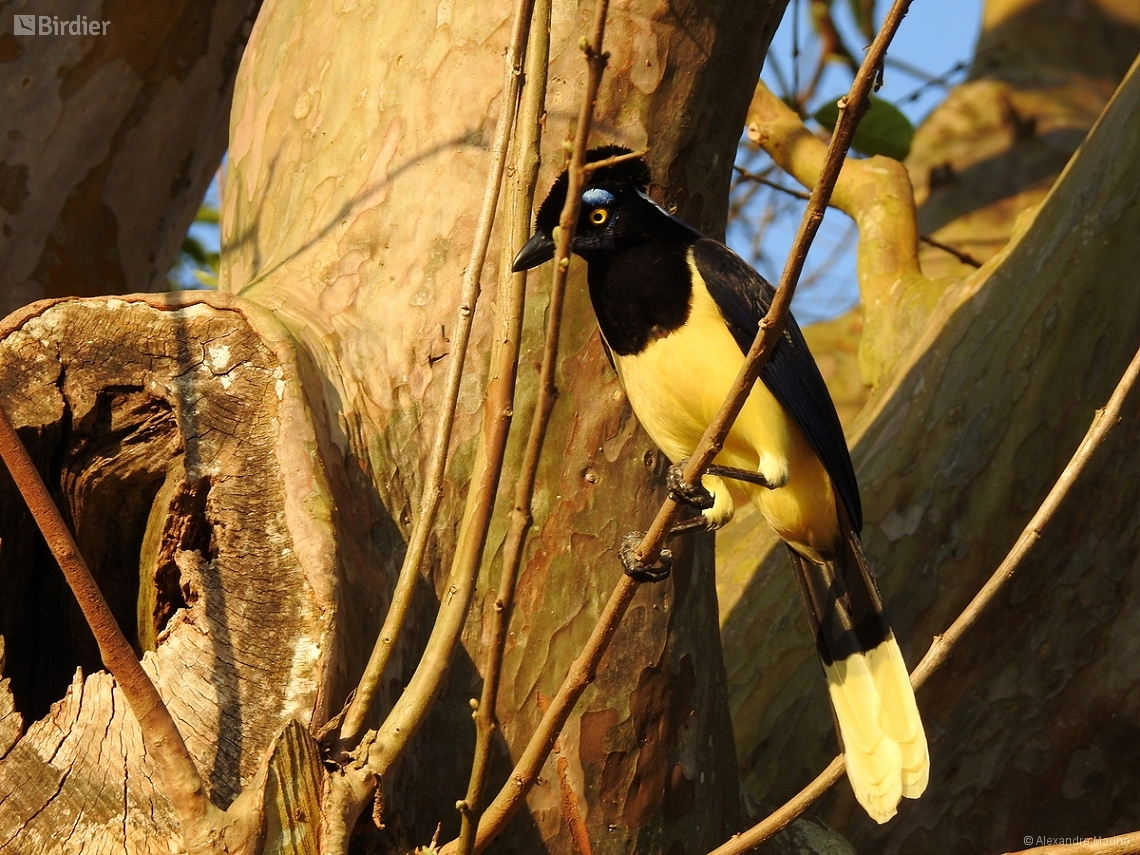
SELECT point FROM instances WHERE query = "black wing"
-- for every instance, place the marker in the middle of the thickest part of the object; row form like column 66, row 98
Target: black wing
column 743, row 297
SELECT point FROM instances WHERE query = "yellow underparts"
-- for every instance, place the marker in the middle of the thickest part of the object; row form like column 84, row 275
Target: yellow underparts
column 676, row 386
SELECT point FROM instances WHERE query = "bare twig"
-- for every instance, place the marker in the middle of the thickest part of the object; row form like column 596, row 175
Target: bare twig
column 768, row 182
column 181, row 782
column 963, row 257
column 365, row 693
column 782, row 816
column 851, row 109
column 942, row 645
column 580, row 675
column 521, row 183
column 745, row 174
column 511, row 797
column 1102, row 423
column 587, row 168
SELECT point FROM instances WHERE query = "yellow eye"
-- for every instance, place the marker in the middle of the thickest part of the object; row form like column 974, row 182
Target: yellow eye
column 598, row 216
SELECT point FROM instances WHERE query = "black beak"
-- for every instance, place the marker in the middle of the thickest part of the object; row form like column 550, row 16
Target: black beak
column 539, row 249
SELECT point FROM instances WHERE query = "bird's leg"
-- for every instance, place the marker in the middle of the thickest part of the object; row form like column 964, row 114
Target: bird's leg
column 691, row 526
column 682, row 492
column 638, row 570
column 740, row 475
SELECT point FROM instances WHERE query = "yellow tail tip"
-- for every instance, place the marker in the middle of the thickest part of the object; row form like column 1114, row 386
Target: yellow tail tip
column 883, row 739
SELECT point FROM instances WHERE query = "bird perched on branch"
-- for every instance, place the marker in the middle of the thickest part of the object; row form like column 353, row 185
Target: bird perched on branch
column 677, row 312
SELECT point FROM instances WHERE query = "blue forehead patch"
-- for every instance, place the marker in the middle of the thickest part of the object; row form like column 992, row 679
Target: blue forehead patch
column 596, row 197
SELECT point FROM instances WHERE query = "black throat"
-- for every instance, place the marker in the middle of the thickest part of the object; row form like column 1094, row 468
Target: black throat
column 643, row 292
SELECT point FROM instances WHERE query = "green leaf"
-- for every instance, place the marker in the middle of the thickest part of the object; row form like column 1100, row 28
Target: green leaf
column 206, row 214
column 883, row 130
column 206, row 280
column 863, row 11
column 193, row 248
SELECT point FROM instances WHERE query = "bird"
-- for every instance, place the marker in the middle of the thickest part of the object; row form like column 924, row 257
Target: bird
column 677, row 312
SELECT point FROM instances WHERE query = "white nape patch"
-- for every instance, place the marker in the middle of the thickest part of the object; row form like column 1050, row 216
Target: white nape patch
column 596, row 197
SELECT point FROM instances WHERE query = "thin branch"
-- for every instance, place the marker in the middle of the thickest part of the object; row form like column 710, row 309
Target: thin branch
column 942, row 645
column 385, row 746
column 587, row 168
column 963, row 257
column 768, row 182
column 1102, row 423
column 746, row 175
column 181, row 782
column 521, row 183
column 851, row 109
column 364, row 696
column 942, row 80
column 512, row 796
column 578, row 678
column 780, row 818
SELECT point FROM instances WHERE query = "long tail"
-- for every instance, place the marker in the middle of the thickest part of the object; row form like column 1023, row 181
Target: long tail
column 884, row 745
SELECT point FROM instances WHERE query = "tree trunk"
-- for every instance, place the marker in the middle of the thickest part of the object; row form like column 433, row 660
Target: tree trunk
column 270, row 520
column 976, row 417
column 361, row 257
column 186, row 463
column 108, row 142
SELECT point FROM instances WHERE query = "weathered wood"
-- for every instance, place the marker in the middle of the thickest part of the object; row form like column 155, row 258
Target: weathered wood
column 111, row 397
column 293, row 793
column 11, row 722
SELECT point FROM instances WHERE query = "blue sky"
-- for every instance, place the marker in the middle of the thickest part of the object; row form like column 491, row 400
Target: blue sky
column 933, row 38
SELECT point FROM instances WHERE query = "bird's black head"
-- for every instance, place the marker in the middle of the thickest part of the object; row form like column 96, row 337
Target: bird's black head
column 615, row 212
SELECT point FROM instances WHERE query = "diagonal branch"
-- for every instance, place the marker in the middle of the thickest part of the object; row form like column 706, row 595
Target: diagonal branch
column 181, row 782
column 851, row 109
column 942, row 645
column 746, row 175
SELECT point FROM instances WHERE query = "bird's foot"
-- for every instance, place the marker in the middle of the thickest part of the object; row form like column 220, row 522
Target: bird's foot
column 681, row 491
column 637, row 569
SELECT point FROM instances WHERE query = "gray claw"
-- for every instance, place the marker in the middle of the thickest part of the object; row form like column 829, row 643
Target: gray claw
column 638, row 571
column 681, row 491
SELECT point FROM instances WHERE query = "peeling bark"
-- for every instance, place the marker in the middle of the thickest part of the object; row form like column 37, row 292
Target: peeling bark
column 108, row 142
